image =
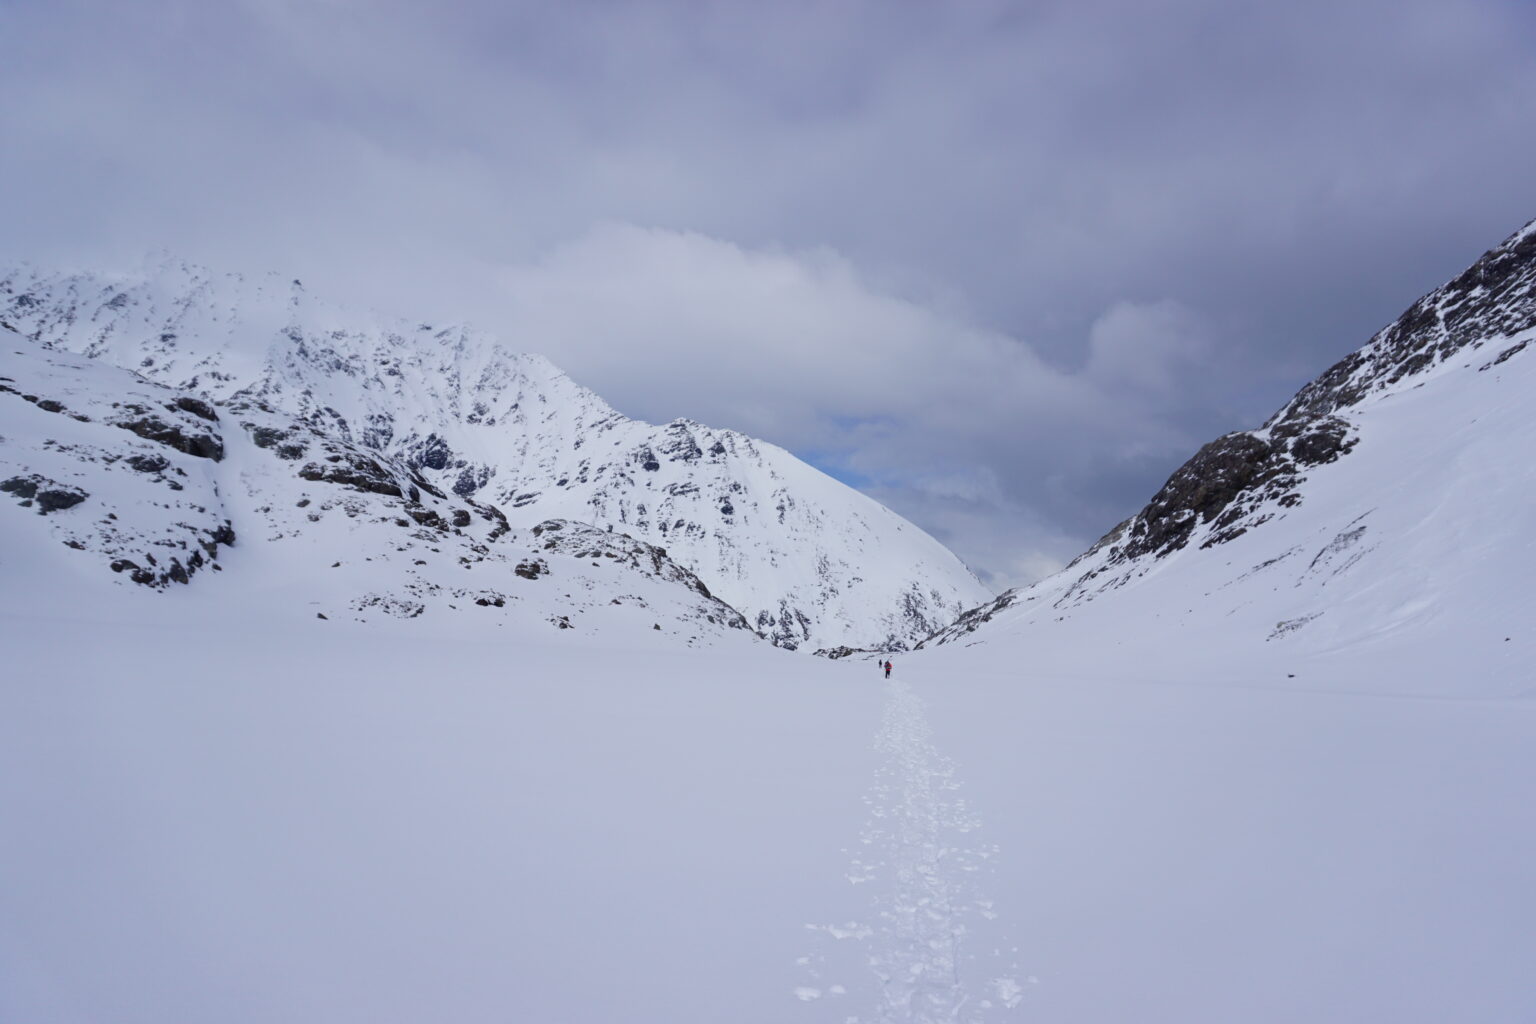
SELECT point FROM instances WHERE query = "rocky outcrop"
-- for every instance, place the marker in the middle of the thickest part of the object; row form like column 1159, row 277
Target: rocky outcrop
column 1227, row 483
column 1494, row 298
column 591, row 544
column 171, row 426
column 47, row 495
column 1239, row 481
column 354, row 470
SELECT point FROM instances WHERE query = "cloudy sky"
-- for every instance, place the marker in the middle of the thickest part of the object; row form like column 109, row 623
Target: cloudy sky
column 1002, row 265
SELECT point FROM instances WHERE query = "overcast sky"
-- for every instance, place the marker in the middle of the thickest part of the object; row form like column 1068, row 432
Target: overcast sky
column 1001, row 265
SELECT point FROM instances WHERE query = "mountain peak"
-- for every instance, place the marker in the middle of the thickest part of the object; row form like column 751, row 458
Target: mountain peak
column 806, row 559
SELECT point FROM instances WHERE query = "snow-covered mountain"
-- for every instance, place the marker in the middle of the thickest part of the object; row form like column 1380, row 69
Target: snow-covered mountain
column 113, row 474
column 1387, row 506
column 807, row 560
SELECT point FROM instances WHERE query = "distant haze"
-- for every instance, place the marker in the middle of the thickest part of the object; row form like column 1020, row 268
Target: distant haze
column 1003, row 266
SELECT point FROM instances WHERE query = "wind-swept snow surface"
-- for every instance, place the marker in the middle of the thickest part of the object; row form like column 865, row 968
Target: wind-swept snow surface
column 256, row 821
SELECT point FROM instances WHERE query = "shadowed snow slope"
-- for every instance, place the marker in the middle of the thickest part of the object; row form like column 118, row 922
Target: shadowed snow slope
column 807, row 560
column 1376, row 534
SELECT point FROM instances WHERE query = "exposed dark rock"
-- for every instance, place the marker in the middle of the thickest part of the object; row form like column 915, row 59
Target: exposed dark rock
column 140, row 576
column 435, row 453
column 680, row 445
column 1323, row 442
column 356, row 471
column 467, row 483
column 47, row 495
column 55, row 498
column 417, row 480
column 426, row 517
column 838, row 653
column 265, row 437
column 379, row 432
column 152, row 428
column 197, row 407
column 788, row 629
column 1199, row 490
column 149, row 463
column 1508, row 353
column 461, row 518
column 501, row 528
column 1493, row 298
column 22, row 487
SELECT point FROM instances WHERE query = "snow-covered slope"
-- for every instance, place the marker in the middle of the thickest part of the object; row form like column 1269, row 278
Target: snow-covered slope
column 808, row 560
column 107, row 473
column 1377, row 531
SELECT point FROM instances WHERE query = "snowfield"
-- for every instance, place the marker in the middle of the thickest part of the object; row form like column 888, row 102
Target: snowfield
column 222, row 818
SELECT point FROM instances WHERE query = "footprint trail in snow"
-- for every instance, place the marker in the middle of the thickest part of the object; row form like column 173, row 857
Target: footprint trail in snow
column 926, row 869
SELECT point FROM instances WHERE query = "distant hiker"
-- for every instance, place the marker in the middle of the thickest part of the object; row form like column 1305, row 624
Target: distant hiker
column 887, row 670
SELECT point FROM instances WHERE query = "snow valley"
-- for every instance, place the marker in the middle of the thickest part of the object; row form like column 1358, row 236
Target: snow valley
column 364, row 671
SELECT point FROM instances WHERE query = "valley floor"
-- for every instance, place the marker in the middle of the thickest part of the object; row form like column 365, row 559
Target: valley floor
column 324, row 822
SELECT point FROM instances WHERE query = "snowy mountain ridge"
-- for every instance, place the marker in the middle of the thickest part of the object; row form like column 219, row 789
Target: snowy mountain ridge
column 806, row 559
column 1386, row 503
column 158, row 487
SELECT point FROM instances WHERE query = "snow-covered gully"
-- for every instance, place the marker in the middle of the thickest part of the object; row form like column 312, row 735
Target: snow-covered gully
column 919, row 853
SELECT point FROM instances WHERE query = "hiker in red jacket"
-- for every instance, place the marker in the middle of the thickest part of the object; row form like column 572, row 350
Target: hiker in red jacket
column 887, row 670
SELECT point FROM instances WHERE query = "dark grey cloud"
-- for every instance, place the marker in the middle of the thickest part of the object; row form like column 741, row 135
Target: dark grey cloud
column 1001, row 264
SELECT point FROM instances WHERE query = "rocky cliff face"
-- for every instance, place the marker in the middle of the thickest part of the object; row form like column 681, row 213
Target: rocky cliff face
column 1246, row 479
column 807, row 560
